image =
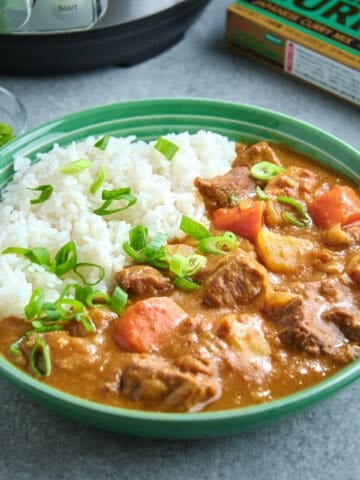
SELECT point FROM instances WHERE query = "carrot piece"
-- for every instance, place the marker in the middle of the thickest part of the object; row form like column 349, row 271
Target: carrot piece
column 147, row 324
column 247, row 222
column 340, row 204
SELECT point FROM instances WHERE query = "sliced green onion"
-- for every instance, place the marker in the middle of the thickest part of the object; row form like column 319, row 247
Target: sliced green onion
column 292, row 220
column 115, row 194
column 85, row 265
column 261, row 194
column 135, row 254
column 305, row 219
column 138, row 237
column 39, row 255
column 219, row 244
column 77, row 166
column 196, row 263
column 193, row 228
column 40, row 361
column 152, row 249
column 16, row 250
column 53, row 314
column 35, row 305
column 65, row 259
column 86, row 321
column 265, row 170
column 185, row 284
column 233, row 198
column 6, row 134
column 102, row 143
column 119, row 194
column 178, row 264
column 15, row 346
column 166, row 148
column 69, row 307
column 118, row 300
column 152, row 253
column 45, row 329
column 5, row 129
column 99, row 180
column 186, row 266
column 96, row 297
column 45, row 193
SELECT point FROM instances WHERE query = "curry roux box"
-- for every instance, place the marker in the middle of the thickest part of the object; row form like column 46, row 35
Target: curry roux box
column 315, row 40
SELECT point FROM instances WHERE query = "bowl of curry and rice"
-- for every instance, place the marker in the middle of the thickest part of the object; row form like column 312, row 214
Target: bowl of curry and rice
column 179, row 268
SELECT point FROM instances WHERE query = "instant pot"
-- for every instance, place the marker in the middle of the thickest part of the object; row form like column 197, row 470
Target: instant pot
column 46, row 36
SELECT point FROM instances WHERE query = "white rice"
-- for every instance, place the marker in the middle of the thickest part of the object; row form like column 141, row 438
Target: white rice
column 164, row 192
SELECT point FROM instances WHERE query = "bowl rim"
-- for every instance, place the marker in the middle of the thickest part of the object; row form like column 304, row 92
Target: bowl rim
column 297, row 400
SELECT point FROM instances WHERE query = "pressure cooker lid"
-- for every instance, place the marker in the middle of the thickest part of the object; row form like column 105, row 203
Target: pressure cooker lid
column 124, row 43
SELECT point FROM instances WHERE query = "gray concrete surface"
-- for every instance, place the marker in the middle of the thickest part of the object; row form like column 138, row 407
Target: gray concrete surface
column 322, row 443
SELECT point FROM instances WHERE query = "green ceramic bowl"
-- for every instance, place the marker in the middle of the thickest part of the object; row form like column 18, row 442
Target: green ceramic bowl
column 148, row 119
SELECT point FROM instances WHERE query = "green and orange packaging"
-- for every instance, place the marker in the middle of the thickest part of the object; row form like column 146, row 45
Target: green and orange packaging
column 317, row 41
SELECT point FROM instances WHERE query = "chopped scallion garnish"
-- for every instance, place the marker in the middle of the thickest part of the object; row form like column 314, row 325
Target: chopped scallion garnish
column 40, row 357
column 45, row 193
column 119, row 194
column 6, row 133
column 234, row 199
column 138, row 237
column 166, row 148
column 304, row 219
column 185, row 284
column 99, row 180
column 261, row 194
column 152, row 249
column 76, row 166
column 193, row 228
column 39, row 255
column 118, row 300
column 265, row 170
column 88, row 324
column 102, row 143
column 152, row 253
column 219, row 244
column 35, row 305
column 86, row 265
column 15, row 346
column 66, row 259
column 186, row 266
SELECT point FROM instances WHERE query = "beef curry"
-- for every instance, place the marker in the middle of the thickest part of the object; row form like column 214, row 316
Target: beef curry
column 262, row 302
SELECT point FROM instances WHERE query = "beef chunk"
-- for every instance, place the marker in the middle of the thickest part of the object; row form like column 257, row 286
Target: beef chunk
column 195, row 364
column 295, row 182
column 300, row 328
column 142, row 280
column 346, row 320
column 334, row 290
column 149, row 378
column 217, row 191
column 238, row 279
column 255, row 153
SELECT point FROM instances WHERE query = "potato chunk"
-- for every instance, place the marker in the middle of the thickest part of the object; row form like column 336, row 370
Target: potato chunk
column 244, row 333
column 283, row 253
